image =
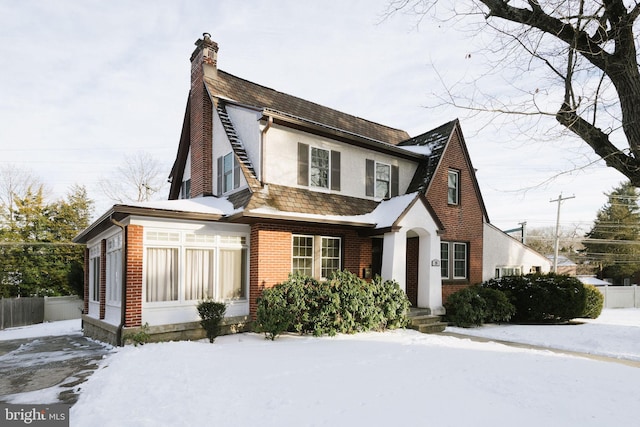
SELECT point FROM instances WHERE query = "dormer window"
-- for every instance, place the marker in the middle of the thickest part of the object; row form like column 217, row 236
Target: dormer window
column 318, row 167
column 228, row 173
column 381, row 180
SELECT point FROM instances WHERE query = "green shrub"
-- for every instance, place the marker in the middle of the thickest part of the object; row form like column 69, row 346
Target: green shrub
column 211, row 313
column 141, row 337
column 343, row 304
column 542, row 298
column 498, row 308
column 392, row 303
column 466, row 308
column 594, row 302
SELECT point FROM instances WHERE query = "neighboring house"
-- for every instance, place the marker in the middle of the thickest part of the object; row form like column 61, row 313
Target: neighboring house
column 504, row 255
column 565, row 265
column 265, row 184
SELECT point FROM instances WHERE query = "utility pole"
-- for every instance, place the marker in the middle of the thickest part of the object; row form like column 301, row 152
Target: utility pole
column 524, row 231
column 560, row 199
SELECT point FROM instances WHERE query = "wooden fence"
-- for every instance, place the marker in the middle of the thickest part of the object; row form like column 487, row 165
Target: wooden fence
column 16, row 312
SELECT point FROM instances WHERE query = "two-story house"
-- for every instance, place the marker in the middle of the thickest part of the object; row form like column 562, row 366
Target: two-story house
column 266, row 184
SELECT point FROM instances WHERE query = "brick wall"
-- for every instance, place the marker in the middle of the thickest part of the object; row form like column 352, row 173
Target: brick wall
column 462, row 222
column 201, row 126
column 103, row 277
column 270, row 258
column 133, row 282
column 85, row 309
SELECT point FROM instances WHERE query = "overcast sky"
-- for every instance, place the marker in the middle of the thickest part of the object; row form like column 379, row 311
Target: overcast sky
column 85, row 83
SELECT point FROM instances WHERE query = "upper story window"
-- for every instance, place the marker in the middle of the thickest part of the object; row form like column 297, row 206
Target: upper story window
column 381, row 179
column 228, row 173
column 318, row 167
column 185, row 189
column 453, row 187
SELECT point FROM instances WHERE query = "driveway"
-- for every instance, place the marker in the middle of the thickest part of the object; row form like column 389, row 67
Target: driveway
column 47, row 366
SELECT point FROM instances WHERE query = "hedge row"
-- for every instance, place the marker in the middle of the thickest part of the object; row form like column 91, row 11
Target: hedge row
column 343, row 304
column 534, row 298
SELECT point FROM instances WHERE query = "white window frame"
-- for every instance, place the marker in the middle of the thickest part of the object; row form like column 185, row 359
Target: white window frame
column 453, row 188
column 182, row 241
column 508, row 270
column 227, row 174
column 388, row 193
column 317, row 258
column 465, row 260
column 295, row 256
column 444, row 262
column 94, row 273
column 450, row 263
column 114, row 270
column 312, row 167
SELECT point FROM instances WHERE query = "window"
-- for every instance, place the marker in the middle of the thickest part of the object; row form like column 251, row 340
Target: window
column 508, row 271
column 185, row 189
column 199, row 269
column 453, row 260
column 232, row 273
column 319, row 171
column 303, row 255
column 114, row 270
column 330, row 256
column 94, row 273
column 459, row 260
column 453, row 185
column 162, row 274
column 228, row 173
column 318, row 167
column 444, row 260
column 381, row 179
column 316, row 256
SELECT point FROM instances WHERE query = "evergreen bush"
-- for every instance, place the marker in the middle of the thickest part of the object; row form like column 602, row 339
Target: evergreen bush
column 540, row 298
column 343, row 304
column 466, row 308
column 211, row 312
column 594, row 302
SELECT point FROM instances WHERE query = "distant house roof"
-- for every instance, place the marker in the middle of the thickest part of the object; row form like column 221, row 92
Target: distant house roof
column 563, row 261
column 592, row 280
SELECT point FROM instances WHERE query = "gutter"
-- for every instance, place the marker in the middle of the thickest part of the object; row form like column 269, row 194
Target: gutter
column 123, row 282
column 263, row 139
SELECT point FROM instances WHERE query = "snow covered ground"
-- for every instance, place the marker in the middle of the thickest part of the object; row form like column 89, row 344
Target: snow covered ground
column 373, row 379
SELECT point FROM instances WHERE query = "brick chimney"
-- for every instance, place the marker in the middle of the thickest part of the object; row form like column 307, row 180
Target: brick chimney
column 203, row 64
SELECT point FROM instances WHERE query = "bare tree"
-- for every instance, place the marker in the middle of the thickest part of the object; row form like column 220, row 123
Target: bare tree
column 588, row 48
column 14, row 182
column 137, row 179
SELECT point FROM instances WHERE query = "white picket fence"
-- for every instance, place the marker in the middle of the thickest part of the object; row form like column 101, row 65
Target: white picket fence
column 620, row 296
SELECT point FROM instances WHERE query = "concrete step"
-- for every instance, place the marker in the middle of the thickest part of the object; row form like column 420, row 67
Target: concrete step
column 427, row 323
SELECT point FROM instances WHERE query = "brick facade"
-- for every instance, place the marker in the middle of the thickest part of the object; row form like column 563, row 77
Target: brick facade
column 103, row 278
column 201, row 123
column 133, row 282
column 462, row 222
column 271, row 252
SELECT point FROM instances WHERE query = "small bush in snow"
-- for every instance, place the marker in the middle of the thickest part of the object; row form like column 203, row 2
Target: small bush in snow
column 594, row 302
column 211, row 313
column 476, row 305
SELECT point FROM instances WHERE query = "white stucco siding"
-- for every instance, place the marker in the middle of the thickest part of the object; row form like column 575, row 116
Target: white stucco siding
column 246, row 123
column 221, row 147
column 281, row 161
column 502, row 250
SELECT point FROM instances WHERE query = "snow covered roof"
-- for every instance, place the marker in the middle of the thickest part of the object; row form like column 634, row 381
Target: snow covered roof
column 592, row 280
column 203, row 205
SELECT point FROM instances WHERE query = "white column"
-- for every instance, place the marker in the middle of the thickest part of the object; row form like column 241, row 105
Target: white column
column 429, row 279
column 394, row 258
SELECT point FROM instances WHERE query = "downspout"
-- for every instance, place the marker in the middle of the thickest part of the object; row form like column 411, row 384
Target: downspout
column 263, row 138
column 123, row 283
